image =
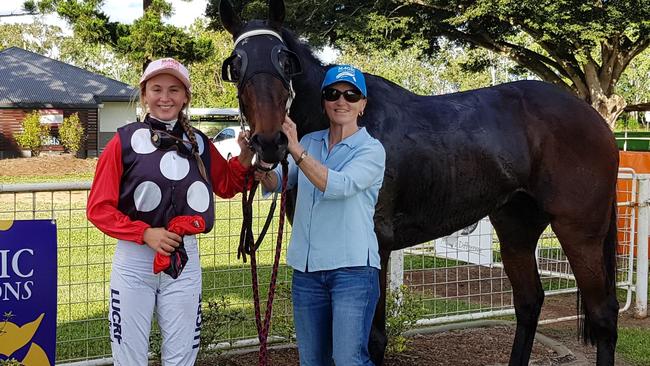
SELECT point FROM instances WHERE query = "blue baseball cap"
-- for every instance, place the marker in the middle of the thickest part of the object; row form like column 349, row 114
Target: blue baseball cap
column 345, row 73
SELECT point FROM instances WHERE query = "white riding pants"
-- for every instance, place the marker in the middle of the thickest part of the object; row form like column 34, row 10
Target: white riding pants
column 137, row 293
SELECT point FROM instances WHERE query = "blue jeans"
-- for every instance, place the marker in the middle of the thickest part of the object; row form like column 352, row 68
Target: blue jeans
column 332, row 312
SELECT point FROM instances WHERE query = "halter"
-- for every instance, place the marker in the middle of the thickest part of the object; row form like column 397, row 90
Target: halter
column 280, row 72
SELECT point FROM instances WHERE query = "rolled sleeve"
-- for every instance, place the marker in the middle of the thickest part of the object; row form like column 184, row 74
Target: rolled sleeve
column 359, row 173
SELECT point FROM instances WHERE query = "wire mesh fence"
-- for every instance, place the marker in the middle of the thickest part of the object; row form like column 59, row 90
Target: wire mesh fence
column 453, row 278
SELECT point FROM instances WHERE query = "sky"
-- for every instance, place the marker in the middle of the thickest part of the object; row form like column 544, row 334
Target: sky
column 124, row 11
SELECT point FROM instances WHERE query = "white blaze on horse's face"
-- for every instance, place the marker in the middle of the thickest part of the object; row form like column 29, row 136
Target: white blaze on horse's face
column 341, row 112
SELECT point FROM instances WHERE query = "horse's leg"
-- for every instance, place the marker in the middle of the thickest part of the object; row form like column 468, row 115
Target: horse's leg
column 518, row 224
column 378, row 340
column 590, row 248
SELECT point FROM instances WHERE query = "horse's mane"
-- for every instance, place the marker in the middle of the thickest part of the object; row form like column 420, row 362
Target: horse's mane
column 302, row 49
column 385, row 93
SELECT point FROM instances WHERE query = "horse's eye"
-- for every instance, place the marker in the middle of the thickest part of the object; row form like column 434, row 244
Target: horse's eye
column 288, row 63
column 231, row 69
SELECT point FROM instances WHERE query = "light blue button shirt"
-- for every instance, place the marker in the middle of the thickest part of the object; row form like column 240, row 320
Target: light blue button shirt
column 335, row 229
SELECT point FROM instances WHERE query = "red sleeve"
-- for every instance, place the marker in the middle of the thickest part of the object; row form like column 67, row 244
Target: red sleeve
column 104, row 195
column 227, row 176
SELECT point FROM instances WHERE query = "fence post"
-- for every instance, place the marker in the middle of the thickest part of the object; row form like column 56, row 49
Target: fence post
column 396, row 268
column 641, row 308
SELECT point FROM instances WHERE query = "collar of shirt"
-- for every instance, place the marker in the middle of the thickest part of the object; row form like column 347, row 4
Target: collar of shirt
column 351, row 141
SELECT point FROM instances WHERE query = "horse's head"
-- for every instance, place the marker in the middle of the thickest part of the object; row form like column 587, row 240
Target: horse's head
column 262, row 67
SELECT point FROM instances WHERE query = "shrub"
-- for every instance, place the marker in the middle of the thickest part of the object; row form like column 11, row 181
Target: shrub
column 71, row 133
column 402, row 312
column 10, row 362
column 282, row 324
column 216, row 319
column 33, row 133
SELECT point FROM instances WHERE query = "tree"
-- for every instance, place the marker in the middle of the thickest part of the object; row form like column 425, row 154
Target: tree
column 144, row 40
column 48, row 40
column 208, row 90
column 583, row 46
column 36, row 37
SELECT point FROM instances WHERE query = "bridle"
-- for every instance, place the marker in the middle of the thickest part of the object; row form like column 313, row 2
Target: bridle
column 285, row 65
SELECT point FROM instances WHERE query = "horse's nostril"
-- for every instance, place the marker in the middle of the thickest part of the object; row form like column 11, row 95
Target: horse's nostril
column 280, row 139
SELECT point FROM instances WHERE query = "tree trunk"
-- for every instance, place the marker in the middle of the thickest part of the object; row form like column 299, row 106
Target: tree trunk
column 608, row 107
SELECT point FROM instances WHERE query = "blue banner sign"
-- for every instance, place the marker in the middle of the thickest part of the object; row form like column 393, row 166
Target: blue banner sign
column 28, row 292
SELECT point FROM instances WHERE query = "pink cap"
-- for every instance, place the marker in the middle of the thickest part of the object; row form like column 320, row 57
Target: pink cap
column 167, row 66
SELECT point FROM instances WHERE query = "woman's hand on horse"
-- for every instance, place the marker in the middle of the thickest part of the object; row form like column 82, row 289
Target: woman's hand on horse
column 246, row 154
column 161, row 240
column 289, row 129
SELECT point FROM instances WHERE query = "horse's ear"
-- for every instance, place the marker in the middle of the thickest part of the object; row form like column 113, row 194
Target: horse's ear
column 229, row 18
column 276, row 13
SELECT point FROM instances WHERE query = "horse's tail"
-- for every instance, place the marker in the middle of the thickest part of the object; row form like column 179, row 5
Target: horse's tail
column 609, row 257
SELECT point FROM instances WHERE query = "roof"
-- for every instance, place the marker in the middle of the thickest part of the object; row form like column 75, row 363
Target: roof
column 30, row 80
column 225, row 112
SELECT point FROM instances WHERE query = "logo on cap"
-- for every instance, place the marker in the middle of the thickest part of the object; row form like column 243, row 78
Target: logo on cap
column 343, row 74
column 170, row 63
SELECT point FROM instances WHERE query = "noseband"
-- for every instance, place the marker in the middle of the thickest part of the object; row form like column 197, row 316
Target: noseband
column 285, row 64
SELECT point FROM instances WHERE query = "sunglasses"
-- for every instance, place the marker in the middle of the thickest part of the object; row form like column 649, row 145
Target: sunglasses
column 351, row 95
column 165, row 141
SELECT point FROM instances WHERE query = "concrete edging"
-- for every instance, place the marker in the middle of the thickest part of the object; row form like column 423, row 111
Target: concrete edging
column 560, row 349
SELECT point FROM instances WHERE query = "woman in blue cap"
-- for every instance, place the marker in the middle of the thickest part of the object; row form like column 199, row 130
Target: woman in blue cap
column 333, row 250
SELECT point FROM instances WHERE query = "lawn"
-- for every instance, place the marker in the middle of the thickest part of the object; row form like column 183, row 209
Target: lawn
column 85, row 255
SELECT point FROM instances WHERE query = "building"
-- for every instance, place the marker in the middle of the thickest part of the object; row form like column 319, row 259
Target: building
column 32, row 82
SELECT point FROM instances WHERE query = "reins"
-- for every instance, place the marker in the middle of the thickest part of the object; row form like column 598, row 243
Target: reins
column 247, row 245
column 283, row 64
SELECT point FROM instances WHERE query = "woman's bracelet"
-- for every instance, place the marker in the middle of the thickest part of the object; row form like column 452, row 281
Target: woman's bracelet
column 302, row 157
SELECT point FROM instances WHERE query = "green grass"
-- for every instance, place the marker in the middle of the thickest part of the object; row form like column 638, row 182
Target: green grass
column 86, row 177
column 85, row 256
column 633, row 345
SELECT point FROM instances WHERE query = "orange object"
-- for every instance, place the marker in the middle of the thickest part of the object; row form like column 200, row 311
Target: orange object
column 640, row 162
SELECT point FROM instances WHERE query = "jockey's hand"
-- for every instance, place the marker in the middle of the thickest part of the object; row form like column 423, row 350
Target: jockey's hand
column 161, row 240
column 267, row 178
column 246, row 154
column 289, row 129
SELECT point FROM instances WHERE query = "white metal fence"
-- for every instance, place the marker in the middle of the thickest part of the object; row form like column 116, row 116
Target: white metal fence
column 455, row 278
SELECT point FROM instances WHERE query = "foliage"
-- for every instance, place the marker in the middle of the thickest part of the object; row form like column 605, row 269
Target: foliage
column 403, row 309
column 32, row 134
column 627, row 123
column 633, row 345
column 208, row 90
column 146, row 39
column 36, row 37
column 581, row 46
column 49, row 41
column 634, row 82
column 283, row 326
column 407, row 68
column 217, row 316
column 10, row 362
column 71, row 133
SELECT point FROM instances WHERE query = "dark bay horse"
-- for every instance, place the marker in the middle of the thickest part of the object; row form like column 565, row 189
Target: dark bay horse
column 527, row 154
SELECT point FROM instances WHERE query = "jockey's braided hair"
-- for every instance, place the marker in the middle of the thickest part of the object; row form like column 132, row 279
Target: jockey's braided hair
column 189, row 131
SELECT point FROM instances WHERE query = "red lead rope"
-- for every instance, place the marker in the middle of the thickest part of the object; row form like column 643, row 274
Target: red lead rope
column 247, row 245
